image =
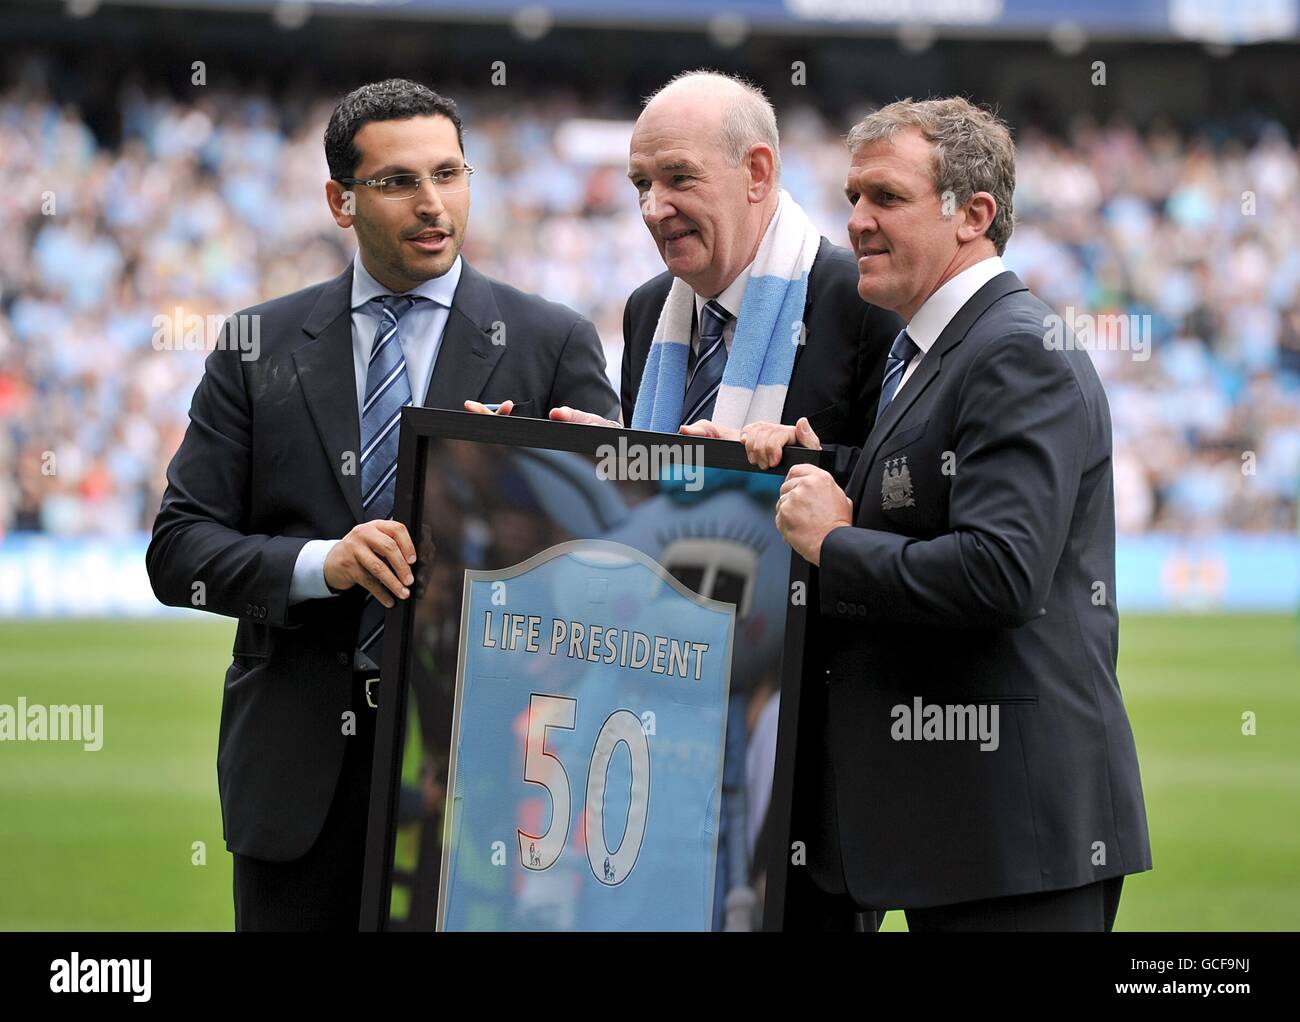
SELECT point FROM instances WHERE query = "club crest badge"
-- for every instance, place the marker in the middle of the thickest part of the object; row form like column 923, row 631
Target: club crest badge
column 896, row 485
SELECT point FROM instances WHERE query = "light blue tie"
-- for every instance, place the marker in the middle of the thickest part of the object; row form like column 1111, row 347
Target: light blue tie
column 706, row 377
column 387, row 390
column 901, row 352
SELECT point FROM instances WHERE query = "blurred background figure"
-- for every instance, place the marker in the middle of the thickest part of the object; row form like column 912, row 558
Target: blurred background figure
column 200, row 203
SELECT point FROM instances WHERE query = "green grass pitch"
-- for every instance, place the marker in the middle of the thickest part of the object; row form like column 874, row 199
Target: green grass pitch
column 107, row 840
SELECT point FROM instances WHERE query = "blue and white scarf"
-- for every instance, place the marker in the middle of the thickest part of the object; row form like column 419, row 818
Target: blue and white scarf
column 769, row 329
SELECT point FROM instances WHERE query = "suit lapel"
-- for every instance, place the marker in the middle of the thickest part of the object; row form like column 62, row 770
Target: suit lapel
column 813, row 281
column 467, row 354
column 328, row 382
column 929, row 367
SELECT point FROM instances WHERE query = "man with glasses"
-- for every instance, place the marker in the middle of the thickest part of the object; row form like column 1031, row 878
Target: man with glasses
column 278, row 504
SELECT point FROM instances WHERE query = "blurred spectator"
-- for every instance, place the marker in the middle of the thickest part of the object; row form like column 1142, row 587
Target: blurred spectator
column 217, row 204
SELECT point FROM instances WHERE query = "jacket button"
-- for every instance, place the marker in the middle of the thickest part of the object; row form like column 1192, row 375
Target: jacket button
column 839, row 607
column 343, row 659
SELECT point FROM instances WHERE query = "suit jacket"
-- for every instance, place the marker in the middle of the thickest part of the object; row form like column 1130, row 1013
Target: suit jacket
column 837, row 370
column 261, row 470
column 980, row 570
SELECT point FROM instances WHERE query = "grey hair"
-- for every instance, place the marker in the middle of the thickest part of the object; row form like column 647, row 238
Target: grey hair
column 748, row 118
column 973, row 151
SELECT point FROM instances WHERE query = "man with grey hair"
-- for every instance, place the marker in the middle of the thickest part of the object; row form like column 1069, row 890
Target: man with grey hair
column 705, row 161
column 966, row 570
column 756, row 317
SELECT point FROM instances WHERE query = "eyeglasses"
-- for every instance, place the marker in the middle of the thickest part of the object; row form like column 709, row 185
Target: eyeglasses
column 405, row 186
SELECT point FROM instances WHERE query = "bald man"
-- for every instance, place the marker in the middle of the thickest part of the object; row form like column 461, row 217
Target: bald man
column 705, row 161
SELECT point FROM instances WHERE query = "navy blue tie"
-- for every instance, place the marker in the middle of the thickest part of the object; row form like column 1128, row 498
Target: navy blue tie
column 387, row 391
column 901, row 352
column 706, row 377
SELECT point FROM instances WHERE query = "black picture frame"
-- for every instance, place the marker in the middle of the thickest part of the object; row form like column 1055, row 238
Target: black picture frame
column 421, row 425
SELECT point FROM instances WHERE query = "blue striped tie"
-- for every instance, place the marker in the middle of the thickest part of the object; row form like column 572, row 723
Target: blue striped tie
column 706, row 377
column 387, row 391
column 901, row 352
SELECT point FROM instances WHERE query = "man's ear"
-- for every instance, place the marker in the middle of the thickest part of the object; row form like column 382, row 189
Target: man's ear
column 978, row 217
column 761, row 164
column 342, row 202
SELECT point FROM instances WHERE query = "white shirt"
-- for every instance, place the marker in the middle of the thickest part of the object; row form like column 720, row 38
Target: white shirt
column 420, row 331
column 420, row 335
column 730, row 300
column 937, row 311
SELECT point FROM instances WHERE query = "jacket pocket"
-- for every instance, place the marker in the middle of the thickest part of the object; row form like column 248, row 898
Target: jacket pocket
column 245, row 662
column 900, row 439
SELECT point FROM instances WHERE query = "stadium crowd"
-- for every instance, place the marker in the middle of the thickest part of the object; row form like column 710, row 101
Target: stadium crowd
column 217, row 203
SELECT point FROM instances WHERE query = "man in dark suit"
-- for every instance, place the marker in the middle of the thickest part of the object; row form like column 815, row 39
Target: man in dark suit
column 705, row 160
column 278, row 504
column 979, row 768
column 836, row 377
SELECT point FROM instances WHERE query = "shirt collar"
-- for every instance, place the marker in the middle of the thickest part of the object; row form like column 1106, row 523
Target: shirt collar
column 937, row 311
column 731, row 296
column 437, row 289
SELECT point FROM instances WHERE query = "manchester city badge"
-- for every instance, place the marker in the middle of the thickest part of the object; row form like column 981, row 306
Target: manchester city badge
column 896, row 485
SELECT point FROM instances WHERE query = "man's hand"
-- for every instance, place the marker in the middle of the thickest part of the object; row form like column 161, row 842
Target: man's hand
column 478, row 408
column 712, row 430
column 375, row 555
column 763, row 441
column 563, row 414
column 567, row 414
column 810, row 506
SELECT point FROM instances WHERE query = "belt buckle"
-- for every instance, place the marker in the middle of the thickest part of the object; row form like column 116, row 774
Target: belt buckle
column 370, row 700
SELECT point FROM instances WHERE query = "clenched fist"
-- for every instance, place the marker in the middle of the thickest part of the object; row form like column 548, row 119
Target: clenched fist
column 810, row 506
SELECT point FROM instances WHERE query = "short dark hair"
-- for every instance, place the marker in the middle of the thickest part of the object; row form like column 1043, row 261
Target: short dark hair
column 395, row 99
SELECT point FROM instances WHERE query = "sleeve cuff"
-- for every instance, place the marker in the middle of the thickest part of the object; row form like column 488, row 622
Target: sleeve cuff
column 308, row 581
column 836, row 599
